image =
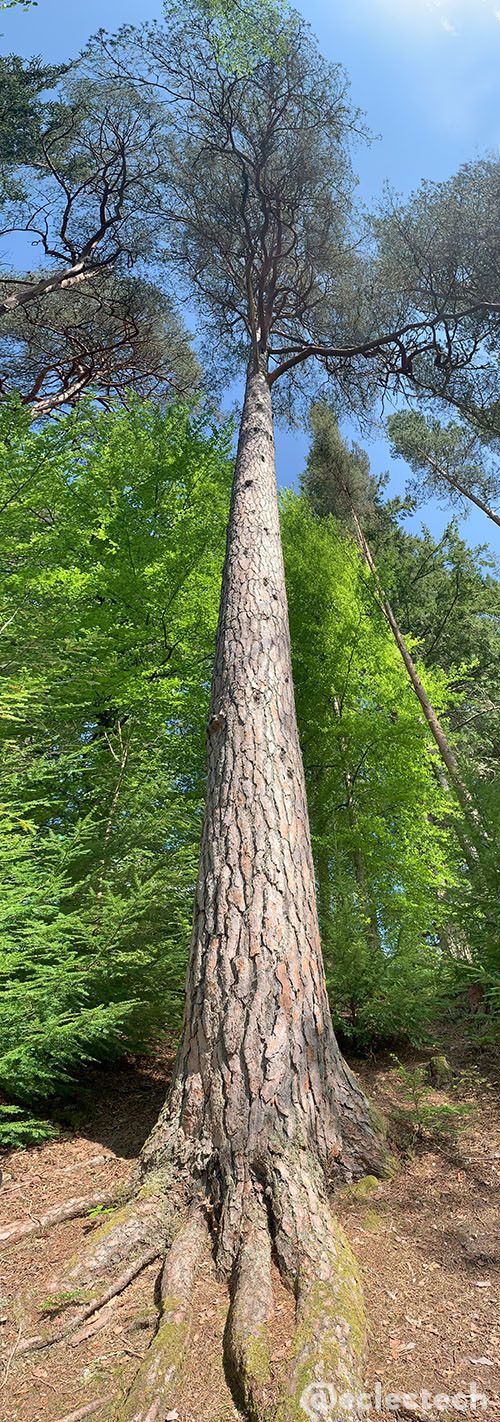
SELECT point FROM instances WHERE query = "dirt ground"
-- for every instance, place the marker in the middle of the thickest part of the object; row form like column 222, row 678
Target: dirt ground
column 428, row 1242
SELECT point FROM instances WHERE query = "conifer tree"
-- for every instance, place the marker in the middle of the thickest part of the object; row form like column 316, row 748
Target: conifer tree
column 262, row 1109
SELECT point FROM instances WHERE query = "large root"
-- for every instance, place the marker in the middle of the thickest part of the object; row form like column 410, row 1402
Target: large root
column 324, row 1376
column 88, row 1410
column 75, row 1328
column 70, row 1210
column 280, row 1207
column 148, row 1398
column 143, row 1223
column 247, row 1329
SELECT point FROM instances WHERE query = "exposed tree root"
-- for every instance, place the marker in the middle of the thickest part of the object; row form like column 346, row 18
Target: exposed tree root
column 70, row 1210
column 149, row 1395
column 31, row 1345
column 97, row 1323
column 104, row 1158
column 144, row 1223
column 87, row 1411
column 276, row 1202
column 315, row 1258
column 247, row 1329
column 279, row 1205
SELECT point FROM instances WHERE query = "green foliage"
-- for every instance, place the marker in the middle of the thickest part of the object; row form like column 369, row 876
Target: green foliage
column 274, row 108
column 56, row 1302
column 447, row 605
column 386, row 860
column 247, row 31
column 337, row 479
column 446, row 594
column 439, row 251
column 447, row 460
column 425, row 1120
column 112, row 529
column 23, row 114
column 21, row 1128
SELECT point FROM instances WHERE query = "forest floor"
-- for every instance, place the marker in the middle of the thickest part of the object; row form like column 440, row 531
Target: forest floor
column 428, row 1242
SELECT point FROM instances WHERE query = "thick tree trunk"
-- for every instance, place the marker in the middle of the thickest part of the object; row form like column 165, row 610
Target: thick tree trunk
column 262, row 1107
column 258, row 1062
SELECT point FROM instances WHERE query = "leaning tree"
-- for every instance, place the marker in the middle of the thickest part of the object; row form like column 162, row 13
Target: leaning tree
column 450, row 461
column 262, row 1112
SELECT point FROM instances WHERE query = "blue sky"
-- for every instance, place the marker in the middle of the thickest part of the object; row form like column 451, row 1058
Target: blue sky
column 426, row 73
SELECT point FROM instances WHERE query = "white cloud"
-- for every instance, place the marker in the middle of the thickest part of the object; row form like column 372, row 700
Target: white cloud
column 450, row 15
column 447, row 25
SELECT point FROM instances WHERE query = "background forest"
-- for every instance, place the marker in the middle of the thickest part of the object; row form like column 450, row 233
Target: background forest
column 115, row 469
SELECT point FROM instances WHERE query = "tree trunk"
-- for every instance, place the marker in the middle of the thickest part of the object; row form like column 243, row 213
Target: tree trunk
column 447, row 755
column 366, row 899
column 262, row 1106
column 461, row 489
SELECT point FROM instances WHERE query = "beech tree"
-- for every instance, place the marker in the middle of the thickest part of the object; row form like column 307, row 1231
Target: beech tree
column 262, row 1110
column 387, row 862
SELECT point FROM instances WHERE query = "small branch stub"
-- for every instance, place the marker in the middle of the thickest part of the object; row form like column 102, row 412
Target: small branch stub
column 216, row 723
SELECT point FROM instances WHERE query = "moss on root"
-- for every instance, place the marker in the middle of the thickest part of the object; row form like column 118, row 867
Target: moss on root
column 361, row 1189
column 249, row 1375
column 162, row 1366
column 257, row 1360
column 329, row 1337
column 158, row 1183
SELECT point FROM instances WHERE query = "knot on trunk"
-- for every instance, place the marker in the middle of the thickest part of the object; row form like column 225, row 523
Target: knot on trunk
column 216, row 723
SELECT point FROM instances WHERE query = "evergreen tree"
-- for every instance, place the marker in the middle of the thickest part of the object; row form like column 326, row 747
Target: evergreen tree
column 449, row 461
column 259, row 230
column 258, row 225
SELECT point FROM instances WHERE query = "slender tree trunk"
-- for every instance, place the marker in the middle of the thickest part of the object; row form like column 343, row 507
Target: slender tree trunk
column 359, row 868
column 447, row 755
column 262, row 1106
column 461, row 489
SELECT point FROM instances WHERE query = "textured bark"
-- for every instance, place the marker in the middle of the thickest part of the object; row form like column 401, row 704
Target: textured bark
column 258, row 1067
column 262, row 1106
column 247, row 1329
column 147, row 1221
column 74, row 1329
column 151, row 1391
column 316, row 1260
column 70, row 1210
